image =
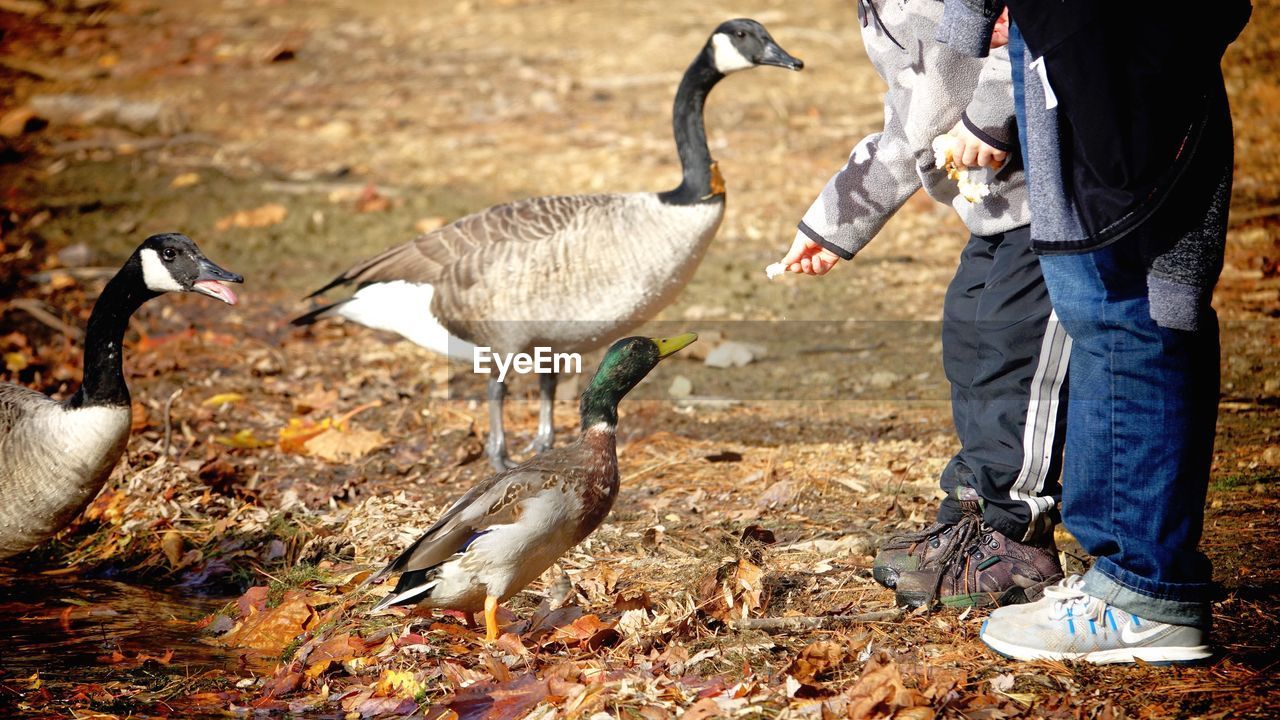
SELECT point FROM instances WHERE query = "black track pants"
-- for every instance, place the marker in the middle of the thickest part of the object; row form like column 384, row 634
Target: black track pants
column 1005, row 355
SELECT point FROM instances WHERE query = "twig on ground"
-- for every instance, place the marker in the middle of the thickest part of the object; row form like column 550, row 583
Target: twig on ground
column 794, row 624
column 168, row 426
column 79, row 273
column 307, row 187
column 1259, row 213
column 842, row 349
column 36, row 309
column 45, row 71
column 30, row 8
column 74, row 146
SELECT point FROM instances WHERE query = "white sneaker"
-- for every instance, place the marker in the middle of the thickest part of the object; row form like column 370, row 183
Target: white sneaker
column 1069, row 624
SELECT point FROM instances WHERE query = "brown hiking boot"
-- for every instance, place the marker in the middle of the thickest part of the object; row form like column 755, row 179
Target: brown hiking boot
column 981, row 568
column 908, row 552
column 921, row 549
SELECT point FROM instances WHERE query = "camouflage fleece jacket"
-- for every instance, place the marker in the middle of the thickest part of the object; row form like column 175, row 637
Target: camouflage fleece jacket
column 931, row 87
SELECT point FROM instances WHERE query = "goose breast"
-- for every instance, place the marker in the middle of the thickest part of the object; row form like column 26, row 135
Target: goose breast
column 53, row 461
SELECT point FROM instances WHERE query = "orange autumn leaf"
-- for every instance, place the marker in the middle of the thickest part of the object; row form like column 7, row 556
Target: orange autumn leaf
column 588, row 631
column 15, row 361
column 223, row 399
column 268, row 631
column 259, row 217
column 172, row 544
column 371, row 200
column 245, row 439
column 398, row 683
column 294, row 436
column 881, row 692
column 148, row 343
column 140, row 417
column 284, row 681
column 343, row 446
column 734, row 590
column 338, row 649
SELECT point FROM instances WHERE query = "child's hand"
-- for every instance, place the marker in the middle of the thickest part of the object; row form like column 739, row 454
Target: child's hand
column 1000, row 33
column 808, row 257
column 967, row 151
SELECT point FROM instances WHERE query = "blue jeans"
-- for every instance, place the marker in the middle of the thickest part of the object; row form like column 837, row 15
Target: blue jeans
column 1016, row 48
column 1140, row 428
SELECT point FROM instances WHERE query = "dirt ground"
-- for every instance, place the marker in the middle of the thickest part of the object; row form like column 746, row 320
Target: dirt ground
column 219, row 572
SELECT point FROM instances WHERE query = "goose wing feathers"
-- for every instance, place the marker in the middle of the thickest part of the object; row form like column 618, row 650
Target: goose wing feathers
column 16, row 403
column 459, row 251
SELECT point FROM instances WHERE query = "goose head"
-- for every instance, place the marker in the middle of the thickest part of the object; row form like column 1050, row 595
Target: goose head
column 744, row 43
column 623, row 367
column 171, row 262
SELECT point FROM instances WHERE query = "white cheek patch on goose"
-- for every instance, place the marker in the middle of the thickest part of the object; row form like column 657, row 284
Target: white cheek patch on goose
column 727, row 57
column 156, row 275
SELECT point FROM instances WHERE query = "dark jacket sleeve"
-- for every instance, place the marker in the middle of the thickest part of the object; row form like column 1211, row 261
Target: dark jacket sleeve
column 967, row 24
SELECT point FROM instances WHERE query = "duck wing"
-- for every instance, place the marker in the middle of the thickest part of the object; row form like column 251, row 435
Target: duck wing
column 494, row 501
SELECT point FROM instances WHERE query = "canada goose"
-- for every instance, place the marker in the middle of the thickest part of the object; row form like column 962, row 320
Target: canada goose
column 568, row 272
column 504, row 532
column 55, row 456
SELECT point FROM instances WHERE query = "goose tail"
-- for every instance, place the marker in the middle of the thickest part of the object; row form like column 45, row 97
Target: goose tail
column 318, row 313
column 342, row 279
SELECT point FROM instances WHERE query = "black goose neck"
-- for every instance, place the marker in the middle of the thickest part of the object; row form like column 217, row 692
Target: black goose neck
column 691, row 136
column 104, row 383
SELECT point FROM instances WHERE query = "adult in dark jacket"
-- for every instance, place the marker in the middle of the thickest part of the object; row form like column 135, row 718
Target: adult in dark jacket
column 1129, row 147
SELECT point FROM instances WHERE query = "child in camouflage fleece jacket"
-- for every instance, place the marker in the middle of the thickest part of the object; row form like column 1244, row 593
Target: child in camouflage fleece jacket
column 1003, row 351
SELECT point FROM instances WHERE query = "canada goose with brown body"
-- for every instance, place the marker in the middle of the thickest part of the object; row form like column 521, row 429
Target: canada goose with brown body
column 55, row 456
column 568, row 272
column 504, row 532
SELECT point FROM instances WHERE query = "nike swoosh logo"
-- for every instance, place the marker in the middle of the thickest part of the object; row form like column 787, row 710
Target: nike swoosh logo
column 1132, row 635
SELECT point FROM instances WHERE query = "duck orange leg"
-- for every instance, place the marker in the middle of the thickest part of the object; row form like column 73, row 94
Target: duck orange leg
column 490, row 618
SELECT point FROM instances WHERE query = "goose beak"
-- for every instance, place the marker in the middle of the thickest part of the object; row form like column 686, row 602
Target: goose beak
column 670, row 346
column 773, row 54
column 209, row 282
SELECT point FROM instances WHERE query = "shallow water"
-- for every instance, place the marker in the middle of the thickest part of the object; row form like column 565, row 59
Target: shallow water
column 69, row 636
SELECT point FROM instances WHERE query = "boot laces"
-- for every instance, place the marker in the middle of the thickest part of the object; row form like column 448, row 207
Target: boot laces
column 966, row 533
column 906, row 540
column 969, row 527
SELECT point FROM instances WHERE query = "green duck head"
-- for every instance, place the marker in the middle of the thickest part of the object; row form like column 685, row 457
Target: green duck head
column 624, row 365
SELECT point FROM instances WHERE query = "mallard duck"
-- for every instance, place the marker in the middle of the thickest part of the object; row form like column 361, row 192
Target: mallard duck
column 504, row 532
column 566, row 272
column 55, row 456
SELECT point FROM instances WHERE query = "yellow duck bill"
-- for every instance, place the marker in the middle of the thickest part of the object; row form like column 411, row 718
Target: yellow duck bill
column 670, row 346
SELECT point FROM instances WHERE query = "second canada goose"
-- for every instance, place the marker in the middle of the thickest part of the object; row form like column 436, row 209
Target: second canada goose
column 569, row 272
column 55, row 456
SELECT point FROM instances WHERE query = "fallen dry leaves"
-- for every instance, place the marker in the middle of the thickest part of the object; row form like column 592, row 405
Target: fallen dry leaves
column 269, row 629
column 637, row 639
column 340, row 446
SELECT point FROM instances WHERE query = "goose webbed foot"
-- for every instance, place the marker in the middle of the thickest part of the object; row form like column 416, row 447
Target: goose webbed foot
column 540, row 443
column 497, row 454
